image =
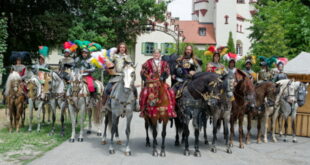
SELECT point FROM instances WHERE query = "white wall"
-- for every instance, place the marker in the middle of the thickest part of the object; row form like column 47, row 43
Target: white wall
column 54, row 56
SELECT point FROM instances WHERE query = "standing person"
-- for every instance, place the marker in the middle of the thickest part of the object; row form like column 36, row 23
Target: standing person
column 154, row 69
column 187, row 66
column 119, row 60
column 66, row 64
column 248, row 70
column 215, row 66
column 279, row 74
column 264, row 74
column 86, row 69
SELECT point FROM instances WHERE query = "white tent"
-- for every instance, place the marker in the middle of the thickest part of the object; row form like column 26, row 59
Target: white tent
column 299, row 65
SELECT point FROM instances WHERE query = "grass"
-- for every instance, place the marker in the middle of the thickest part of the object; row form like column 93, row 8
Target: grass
column 23, row 147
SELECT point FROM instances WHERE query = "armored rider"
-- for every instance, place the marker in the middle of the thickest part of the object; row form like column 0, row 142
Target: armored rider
column 187, row 66
column 279, row 74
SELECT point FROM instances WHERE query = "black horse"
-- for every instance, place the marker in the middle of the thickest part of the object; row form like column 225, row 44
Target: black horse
column 202, row 92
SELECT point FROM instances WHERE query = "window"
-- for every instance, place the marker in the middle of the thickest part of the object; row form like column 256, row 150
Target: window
column 239, row 49
column 226, row 19
column 240, row 1
column 165, row 47
column 202, row 31
column 148, row 48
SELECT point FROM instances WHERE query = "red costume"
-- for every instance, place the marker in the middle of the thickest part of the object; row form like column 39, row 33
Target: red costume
column 152, row 73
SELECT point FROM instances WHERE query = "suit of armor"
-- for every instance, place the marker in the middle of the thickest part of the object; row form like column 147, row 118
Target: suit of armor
column 65, row 66
column 87, row 69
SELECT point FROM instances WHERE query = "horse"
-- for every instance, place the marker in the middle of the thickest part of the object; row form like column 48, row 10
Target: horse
column 54, row 89
column 265, row 93
column 244, row 94
column 156, row 110
column 34, row 100
column 77, row 96
column 223, row 110
column 15, row 96
column 292, row 95
column 122, row 104
column 203, row 91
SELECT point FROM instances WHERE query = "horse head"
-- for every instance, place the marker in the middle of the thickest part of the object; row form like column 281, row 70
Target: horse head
column 76, row 81
column 245, row 91
column 48, row 80
column 129, row 76
column 301, row 93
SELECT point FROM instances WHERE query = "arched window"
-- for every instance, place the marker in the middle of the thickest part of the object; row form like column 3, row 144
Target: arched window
column 226, row 19
column 239, row 48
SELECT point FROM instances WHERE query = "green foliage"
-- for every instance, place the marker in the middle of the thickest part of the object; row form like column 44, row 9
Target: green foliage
column 281, row 28
column 3, row 37
column 230, row 44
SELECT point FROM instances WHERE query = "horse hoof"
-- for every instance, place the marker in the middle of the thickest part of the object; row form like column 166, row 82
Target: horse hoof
column 80, row 139
column 248, row 142
column 163, row 154
column 241, row 146
column 197, row 154
column 259, row 141
column 274, row 140
column 294, row 141
column 186, row 153
column 104, row 142
column 265, row 141
column 112, row 151
column 88, row 132
column 99, row 134
column 71, row 140
column 38, row 130
column 229, row 151
column 231, row 145
column 147, row 144
column 284, row 140
column 155, row 153
column 119, row 142
column 213, row 149
column 128, row 153
column 176, row 143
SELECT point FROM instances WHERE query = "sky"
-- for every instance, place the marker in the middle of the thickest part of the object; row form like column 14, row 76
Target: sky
column 181, row 9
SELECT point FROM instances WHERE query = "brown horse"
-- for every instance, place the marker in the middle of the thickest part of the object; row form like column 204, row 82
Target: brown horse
column 244, row 94
column 15, row 98
column 266, row 93
column 157, row 111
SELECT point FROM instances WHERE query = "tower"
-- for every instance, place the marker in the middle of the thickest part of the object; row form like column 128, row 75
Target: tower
column 203, row 11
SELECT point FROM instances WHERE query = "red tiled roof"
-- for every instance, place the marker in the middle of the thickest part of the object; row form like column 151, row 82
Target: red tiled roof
column 191, row 32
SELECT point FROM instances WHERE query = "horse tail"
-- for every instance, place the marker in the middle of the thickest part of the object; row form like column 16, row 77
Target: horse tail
column 97, row 115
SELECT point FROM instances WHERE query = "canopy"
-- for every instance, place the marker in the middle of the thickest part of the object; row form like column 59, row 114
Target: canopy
column 299, row 65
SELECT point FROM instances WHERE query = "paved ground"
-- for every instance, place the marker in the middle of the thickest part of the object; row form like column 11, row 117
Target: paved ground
column 92, row 152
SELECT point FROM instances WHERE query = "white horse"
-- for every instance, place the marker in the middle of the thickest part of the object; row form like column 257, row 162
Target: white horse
column 77, row 96
column 292, row 94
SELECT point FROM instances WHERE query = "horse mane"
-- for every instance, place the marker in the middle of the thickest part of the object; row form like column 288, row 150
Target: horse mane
column 12, row 77
column 38, row 84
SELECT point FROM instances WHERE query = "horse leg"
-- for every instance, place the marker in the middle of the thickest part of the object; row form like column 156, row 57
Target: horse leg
column 117, row 139
column 177, row 141
column 11, row 119
column 128, row 151
column 154, row 130
column 285, row 128
column 113, row 130
column 259, row 133
column 265, row 119
column 226, row 133
column 30, row 101
column 293, row 117
column 248, row 138
column 146, row 125
column 39, row 115
column 43, row 112
column 205, row 121
column 280, row 119
column 106, row 122
column 186, row 135
column 197, row 152
column 163, row 135
column 82, row 105
column 73, row 122
column 19, row 113
column 241, row 145
column 232, row 131
column 53, row 106
column 90, row 113
column 215, row 125
column 62, row 118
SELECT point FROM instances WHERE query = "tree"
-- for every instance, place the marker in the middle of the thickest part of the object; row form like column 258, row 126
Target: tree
column 292, row 19
column 230, row 44
column 3, row 45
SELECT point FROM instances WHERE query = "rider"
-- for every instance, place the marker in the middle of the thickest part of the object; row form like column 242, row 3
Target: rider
column 264, row 74
column 41, row 66
column 119, row 59
column 187, row 66
column 20, row 68
column 86, row 69
column 215, row 66
column 279, row 74
column 232, row 66
column 248, row 70
column 155, row 68
column 66, row 64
